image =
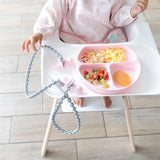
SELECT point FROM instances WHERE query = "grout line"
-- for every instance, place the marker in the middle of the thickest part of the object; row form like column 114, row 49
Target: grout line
column 76, row 149
column 24, row 72
column 36, row 114
column 21, row 92
column 92, row 138
column 135, row 135
column 18, row 60
column 145, row 108
column 11, row 130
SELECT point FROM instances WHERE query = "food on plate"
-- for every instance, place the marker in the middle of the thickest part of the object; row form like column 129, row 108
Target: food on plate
column 121, row 78
column 108, row 55
column 97, row 76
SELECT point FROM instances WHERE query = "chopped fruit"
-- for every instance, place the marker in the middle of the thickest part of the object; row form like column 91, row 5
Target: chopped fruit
column 104, row 85
column 98, row 72
column 85, row 72
column 97, row 76
column 102, row 81
column 87, row 76
column 106, row 77
column 102, row 71
column 92, row 82
column 91, row 76
column 96, row 80
column 101, row 75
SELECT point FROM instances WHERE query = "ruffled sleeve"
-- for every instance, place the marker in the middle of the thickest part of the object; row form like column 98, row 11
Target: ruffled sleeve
column 50, row 17
column 120, row 14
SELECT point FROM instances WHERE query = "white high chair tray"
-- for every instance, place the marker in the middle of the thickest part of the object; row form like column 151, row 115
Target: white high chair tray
column 142, row 44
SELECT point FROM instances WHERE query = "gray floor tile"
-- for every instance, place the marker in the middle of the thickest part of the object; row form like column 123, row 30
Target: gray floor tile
column 15, row 33
column 18, row 104
column 119, row 148
column 24, row 61
column 5, row 125
column 32, row 128
column 57, row 150
column 144, row 121
column 29, row 19
column 9, row 20
column 28, row 128
column 47, row 103
column 8, row 64
column 23, row 2
column 145, row 101
column 10, row 48
column 16, row 8
column 14, row 82
column 91, row 126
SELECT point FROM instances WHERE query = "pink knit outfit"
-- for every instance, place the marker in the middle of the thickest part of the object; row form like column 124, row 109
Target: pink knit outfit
column 84, row 21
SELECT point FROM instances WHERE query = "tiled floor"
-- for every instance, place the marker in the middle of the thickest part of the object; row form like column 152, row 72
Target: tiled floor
column 23, row 122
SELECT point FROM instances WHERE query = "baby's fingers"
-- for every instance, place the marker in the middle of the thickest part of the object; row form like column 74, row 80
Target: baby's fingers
column 142, row 4
column 33, row 42
column 28, row 42
column 40, row 42
column 23, row 45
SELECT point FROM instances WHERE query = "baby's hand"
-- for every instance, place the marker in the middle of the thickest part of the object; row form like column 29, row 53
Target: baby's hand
column 139, row 7
column 36, row 38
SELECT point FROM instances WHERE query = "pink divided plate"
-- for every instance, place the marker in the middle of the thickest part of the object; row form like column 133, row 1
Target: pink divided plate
column 130, row 65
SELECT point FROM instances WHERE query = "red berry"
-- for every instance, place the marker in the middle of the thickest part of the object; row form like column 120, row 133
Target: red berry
column 101, row 75
column 98, row 72
column 85, row 72
column 102, row 71
column 105, row 73
column 91, row 76
column 95, row 76
column 107, row 76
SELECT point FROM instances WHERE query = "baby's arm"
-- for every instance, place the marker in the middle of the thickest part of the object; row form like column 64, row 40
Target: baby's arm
column 123, row 14
column 49, row 20
column 139, row 7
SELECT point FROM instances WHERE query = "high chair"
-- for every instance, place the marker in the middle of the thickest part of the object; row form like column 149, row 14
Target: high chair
column 140, row 40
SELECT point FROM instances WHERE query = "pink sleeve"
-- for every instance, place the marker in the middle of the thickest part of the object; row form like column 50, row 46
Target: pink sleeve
column 120, row 14
column 50, row 17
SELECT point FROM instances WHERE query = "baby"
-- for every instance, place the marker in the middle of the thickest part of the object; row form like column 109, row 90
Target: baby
column 84, row 21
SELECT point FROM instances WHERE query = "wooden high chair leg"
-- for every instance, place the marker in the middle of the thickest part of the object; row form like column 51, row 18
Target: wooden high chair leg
column 48, row 130
column 129, row 124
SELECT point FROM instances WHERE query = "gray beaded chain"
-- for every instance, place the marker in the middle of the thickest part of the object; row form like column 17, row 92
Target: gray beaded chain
column 58, row 85
column 65, row 96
